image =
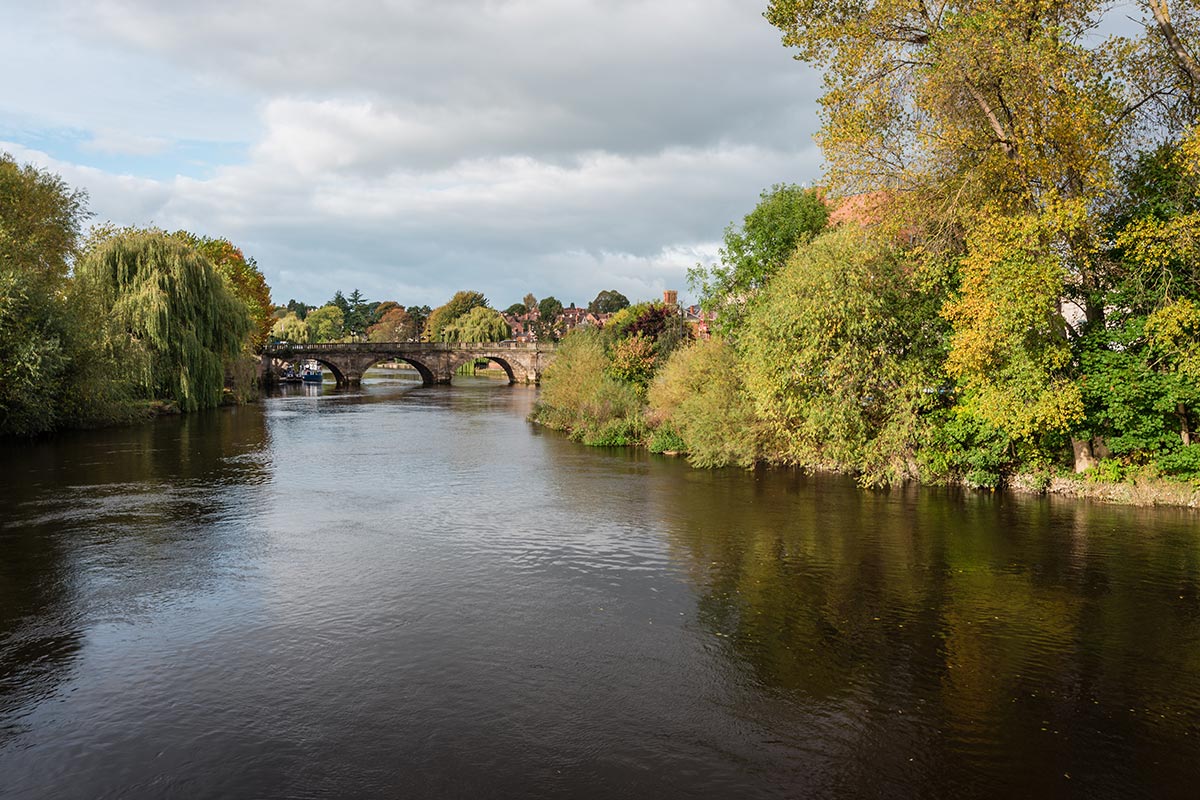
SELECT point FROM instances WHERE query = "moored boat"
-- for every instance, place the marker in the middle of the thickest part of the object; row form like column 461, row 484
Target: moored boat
column 312, row 373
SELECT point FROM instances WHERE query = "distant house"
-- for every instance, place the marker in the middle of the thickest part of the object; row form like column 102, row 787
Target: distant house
column 573, row 317
column 523, row 326
column 700, row 321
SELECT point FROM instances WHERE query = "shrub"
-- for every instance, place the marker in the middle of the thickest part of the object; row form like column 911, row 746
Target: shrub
column 665, row 439
column 581, row 397
column 698, row 397
column 842, row 355
column 1183, row 463
column 960, row 447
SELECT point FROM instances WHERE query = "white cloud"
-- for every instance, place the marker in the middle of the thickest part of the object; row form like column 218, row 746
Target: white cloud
column 116, row 143
column 411, row 149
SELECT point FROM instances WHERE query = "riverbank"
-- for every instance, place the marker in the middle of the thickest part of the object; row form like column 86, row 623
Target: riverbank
column 1137, row 492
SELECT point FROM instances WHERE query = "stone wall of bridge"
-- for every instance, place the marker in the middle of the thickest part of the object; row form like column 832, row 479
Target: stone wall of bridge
column 436, row 362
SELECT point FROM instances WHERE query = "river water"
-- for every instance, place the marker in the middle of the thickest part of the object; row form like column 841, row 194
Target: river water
column 409, row 591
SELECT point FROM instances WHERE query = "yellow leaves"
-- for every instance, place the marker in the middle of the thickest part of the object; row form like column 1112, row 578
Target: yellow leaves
column 1189, row 152
column 1155, row 244
column 1008, row 349
column 1174, row 332
column 1055, row 406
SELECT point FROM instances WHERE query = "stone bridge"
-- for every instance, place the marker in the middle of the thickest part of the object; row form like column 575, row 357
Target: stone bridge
column 436, row 362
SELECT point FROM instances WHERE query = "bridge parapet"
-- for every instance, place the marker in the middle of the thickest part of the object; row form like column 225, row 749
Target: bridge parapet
column 435, row 361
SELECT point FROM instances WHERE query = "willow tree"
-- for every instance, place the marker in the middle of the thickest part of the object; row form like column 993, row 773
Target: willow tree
column 173, row 317
column 245, row 279
column 841, row 357
column 480, row 324
column 460, row 304
column 291, row 328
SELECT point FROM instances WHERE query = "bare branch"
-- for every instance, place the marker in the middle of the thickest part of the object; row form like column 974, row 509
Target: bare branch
column 1163, row 17
column 1010, row 149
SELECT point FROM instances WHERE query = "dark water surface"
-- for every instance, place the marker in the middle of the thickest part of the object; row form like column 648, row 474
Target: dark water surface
column 411, row 592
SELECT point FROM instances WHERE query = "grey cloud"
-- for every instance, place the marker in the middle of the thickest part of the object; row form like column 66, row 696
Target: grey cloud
column 413, row 149
column 477, row 79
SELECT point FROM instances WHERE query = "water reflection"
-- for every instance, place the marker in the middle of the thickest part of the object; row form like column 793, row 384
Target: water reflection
column 401, row 589
column 108, row 525
column 979, row 644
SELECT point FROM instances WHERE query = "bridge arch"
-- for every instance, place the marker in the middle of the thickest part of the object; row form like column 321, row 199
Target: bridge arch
column 423, row 370
column 504, row 364
column 338, row 374
column 435, row 362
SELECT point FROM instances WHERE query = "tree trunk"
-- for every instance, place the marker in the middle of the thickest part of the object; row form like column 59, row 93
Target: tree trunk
column 1085, row 459
column 1185, row 432
column 1162, row 16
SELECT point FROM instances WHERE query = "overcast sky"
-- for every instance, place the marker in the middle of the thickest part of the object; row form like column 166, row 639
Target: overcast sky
column 411, row 148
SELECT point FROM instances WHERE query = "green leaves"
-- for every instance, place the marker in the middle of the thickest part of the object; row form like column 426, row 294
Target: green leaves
column 480, row 324
column 326, row 324
column 171, row 313
column 460, row 304
column 840, row 353
column 785, row 217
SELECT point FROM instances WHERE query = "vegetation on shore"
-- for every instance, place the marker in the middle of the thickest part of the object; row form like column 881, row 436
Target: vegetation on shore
column 1008, row 282
column 120, row 325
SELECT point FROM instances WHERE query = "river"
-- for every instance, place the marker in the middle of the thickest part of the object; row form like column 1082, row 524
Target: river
column 408, row 591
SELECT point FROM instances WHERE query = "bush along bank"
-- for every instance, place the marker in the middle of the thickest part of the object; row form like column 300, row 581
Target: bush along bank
column 121, row 325
column 853, row 356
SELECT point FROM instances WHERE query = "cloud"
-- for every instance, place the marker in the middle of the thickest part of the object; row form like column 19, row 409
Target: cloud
column 115, row 143
column 411, row 149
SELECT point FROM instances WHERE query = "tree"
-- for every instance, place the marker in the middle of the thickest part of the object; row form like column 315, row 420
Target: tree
column 40, row 219
column 995, row 133
column 842, row 356
column 531, row 302
column 659, row 323
column 355, row 315
column 245, row 279
column 1010, row 350
column 580, row 395
column 326, row 324
column 379, row 309
column 299, row 309
column 420, row 316
column 785, row 217
column 291, row 329
column 515, row 310
column 458, row 305
column 396, row 326
column 1140, row 374
column 699, row 394
column 634, row 360
column 549, row 309
column 608, row 301
column 1163, row 66
column 173, row 315
column 549, row 315
column 480, row 324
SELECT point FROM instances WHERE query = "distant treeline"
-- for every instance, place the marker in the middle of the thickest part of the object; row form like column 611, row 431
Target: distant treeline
column 105, row 328
column 1001, row 274
column 465, row 317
